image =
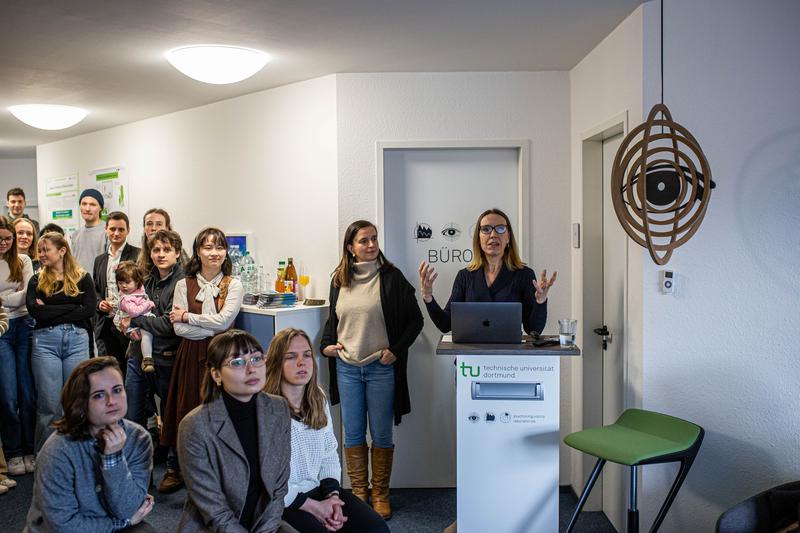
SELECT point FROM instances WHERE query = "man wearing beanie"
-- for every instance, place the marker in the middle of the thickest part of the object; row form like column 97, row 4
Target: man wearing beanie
column 90, row 241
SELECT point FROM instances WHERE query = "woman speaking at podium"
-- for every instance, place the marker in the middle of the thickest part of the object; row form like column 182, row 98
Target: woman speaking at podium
column 495, row 274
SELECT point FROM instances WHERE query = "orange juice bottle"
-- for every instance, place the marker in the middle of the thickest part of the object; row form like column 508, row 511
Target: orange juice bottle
column 279, row 278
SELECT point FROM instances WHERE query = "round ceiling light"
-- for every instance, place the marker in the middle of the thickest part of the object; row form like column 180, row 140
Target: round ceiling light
column 216, row 63
column 48, row 116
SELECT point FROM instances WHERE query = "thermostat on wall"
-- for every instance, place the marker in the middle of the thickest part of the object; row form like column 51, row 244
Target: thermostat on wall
column 666, row 281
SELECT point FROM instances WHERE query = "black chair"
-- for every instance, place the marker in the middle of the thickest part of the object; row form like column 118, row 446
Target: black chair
column 769, row 511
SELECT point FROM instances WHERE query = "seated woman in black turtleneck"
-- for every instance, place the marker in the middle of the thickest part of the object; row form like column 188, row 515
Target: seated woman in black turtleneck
column 495, row 274
column 234, row 449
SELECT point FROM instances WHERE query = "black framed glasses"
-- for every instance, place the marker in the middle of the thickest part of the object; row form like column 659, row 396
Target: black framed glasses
column 499, row 229
column 239, row 363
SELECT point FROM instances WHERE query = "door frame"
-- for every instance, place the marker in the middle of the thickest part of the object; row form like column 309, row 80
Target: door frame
column 592, row 383
column 525, row 217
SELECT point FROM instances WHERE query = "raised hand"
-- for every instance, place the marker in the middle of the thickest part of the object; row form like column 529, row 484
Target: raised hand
column 542, row 286
column 427, row 275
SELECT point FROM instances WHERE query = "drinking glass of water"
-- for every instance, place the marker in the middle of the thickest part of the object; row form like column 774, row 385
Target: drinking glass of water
column 566, row 331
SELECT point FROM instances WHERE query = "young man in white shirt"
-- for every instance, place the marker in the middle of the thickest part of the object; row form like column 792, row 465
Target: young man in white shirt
column 90, row 241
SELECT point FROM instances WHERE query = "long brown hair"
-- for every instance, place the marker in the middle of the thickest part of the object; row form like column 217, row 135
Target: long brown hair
column 510, row 254
column 31, row 252
column 231, row 343
column 48, row 282
column 312, row 409
column 218, row 237
column 11, row 256
column 144, row 260
column 75, row 397
column 344, row 270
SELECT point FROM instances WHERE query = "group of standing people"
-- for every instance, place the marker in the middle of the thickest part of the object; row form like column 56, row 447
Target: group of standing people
column 162, row 327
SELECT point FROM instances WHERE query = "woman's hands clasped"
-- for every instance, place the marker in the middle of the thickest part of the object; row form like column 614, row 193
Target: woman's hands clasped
column 328, row 511
column 427, row 275
column 542, row 286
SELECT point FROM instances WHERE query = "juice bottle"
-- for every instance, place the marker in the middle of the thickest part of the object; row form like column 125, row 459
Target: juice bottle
column 290, row 278
column 279, row 278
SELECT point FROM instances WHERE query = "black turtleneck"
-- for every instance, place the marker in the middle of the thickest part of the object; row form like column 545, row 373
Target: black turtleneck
column 243, row 416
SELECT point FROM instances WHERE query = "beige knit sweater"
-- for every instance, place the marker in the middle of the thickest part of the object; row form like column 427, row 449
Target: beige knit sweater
column 362, row 329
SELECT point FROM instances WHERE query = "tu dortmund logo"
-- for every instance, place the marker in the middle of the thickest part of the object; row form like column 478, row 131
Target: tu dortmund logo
column 474, row 371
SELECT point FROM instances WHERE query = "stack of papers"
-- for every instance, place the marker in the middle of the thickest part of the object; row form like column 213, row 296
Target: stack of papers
column 275, row 299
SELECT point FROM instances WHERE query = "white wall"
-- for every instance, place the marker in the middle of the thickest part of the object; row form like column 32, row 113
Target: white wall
column 264, row 163
column 467, row 106
column 607, row 83
column 723, row 351
column 19, row 173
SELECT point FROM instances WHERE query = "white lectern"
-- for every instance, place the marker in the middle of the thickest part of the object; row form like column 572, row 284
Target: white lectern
column 507, row 404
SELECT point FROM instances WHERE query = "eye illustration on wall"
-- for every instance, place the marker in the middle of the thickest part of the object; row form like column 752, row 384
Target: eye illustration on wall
column 451, row 231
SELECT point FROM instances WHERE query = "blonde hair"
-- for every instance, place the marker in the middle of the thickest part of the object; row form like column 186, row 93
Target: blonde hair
column 48, row 282
column 312, row 409
column 510, row 254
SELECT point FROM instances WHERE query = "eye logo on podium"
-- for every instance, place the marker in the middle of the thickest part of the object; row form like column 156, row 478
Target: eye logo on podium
column 422, row 232
column 451, row 231
column 474, row 418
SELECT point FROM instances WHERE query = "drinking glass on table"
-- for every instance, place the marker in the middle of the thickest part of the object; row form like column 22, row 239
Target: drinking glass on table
column 566, row 331
column 303, row 280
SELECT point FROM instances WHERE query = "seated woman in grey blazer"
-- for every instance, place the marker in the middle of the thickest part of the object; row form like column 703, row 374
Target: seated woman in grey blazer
column 92, row 473
column 234, row 448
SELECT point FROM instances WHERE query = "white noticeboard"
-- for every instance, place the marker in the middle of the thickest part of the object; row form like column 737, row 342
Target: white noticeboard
column 61, row 202
column 114, row 185
column 432, row 198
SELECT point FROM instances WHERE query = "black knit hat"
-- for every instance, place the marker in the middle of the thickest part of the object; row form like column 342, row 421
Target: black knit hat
column 94, row 193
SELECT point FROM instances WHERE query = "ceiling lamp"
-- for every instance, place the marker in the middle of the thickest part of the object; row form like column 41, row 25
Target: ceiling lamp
column 48, row 116
column 216, row 63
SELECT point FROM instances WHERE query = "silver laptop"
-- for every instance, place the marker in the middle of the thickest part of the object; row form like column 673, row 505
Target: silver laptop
column 486, row 322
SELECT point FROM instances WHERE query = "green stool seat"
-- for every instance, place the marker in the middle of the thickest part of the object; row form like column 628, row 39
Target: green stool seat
column 638, row 437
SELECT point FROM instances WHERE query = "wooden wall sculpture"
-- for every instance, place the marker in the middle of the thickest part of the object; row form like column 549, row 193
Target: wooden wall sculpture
column 660, row 184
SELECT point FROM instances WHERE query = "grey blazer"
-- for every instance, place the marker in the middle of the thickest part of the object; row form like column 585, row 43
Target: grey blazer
column 215, row 468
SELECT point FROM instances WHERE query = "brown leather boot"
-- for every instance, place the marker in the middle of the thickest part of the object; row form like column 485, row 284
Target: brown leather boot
column 357, row 464
column 381, row 473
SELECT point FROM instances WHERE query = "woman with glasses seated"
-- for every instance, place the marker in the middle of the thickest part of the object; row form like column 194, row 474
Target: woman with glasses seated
column 205, row 303
column 234, row 449
column 495, row 274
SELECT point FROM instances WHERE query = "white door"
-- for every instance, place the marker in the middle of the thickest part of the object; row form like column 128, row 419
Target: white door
column 615, row 477
column 432, row 198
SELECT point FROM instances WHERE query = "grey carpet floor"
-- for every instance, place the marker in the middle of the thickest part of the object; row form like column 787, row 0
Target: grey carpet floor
column 415, row 510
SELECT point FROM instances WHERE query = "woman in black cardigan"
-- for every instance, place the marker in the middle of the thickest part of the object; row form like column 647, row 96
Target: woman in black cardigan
column 374, row 318
column 495, row 274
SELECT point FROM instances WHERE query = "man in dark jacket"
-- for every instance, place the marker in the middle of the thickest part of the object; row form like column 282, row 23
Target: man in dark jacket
column 108, row 338
column 165, row 251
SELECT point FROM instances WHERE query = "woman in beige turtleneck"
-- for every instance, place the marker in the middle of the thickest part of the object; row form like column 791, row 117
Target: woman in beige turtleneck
column 374, row 318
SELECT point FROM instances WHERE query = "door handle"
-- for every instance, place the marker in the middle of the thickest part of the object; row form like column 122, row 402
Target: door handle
column 605, row 334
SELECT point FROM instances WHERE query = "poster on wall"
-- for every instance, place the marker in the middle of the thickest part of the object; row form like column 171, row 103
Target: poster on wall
column 113, row 184
column 61, row 202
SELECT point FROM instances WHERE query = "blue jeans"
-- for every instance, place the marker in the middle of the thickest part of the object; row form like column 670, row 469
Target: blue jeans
column 17, row 392
column 366, row 392
column 140, row 387
column 57, row 350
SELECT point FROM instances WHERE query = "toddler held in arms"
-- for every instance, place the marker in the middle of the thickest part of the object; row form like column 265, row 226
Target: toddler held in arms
column 133, row 302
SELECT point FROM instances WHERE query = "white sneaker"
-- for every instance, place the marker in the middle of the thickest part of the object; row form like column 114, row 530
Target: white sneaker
column 30, row 463
column 3, row 489
column 7, row 483
column 16, row 466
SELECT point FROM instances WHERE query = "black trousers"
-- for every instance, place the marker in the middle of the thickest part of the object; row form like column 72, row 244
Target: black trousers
column 361, row 518
column 111, row 342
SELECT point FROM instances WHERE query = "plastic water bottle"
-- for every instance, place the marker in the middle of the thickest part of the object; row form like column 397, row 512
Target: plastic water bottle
column 249, row 274
column 236, row 260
